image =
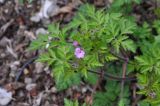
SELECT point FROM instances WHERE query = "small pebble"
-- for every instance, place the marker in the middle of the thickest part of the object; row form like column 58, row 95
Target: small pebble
column 21, row 93
column 3, row 55
column 28, row 80
column 41, row 31
column 39, row 67
column 84, row 90
column 53, row 90
column 26, row 71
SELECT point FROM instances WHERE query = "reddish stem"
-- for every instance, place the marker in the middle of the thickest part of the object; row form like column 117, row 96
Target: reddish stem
column 124, row 68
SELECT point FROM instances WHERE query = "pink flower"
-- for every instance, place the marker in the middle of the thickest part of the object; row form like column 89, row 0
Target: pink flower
column 75, row 43
column 79, row 53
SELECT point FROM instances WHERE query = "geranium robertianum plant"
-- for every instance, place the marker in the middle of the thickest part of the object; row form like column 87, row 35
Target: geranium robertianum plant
column 103, row 42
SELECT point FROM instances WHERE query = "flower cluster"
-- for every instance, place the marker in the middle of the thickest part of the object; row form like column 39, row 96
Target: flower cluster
column 79, row 53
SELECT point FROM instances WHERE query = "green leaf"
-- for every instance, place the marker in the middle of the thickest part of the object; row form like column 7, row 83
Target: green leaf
column 127, row 27
column 108, row 97
column 54, row 30
column 84, row 72
column 115, row 16
column 143, row 103
column 110, row 57
column 67, row 79
column 39, row 43
column 70, row 103
column 129, row 45
column 92, row 61
column 121, row 102
column 138, row 1
column 156, row 25
column 91, row 78
column 58, row 72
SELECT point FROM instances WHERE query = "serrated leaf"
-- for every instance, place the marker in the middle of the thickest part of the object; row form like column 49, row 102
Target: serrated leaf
column 129, row 45
column 58, row 72
column 110, row 57
column 127, row 27
column 68, row 79
column 84, row 72
column 70, row 103
column 54, row 30
column 92, row 78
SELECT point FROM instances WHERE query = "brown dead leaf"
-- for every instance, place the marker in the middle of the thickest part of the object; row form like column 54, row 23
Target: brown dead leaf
column 13, row 86
column 9, row 87
column 20, row 46
column 37, row 101
column 11, row 51
column 69, row 8
column 20, row 20
column 30, row 35
column 110, row 1
column 89, row 100
column 66, row 9
column 77, row 95
column 32, row 89
column 17, row 85
column 5, row 27
column 33, row 92
column 99, row 2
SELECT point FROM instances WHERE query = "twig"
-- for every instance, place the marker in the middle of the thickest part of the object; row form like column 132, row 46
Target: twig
column 4, row 27
column 106, row 75
column 24, row 66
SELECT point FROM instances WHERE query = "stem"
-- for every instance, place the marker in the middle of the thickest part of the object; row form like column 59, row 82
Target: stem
column 121, row 58
column 134, row 96
column 101, row 76
column 136, row 100
column 24, row 66
column 123, row 76
column 112, row 77
column 118, row 56
column 155, row 4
